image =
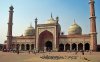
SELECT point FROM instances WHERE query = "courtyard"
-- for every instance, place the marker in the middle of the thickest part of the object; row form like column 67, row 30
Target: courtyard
column 49, row 57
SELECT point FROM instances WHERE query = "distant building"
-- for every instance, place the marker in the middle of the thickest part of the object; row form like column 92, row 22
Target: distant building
column 48, row 35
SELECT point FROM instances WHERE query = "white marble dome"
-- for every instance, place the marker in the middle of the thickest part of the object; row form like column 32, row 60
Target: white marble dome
column 74, row 29
column 53, row 21
column 30, row 31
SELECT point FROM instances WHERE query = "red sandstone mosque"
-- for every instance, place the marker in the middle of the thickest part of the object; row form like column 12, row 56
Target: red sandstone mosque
column 48, row 36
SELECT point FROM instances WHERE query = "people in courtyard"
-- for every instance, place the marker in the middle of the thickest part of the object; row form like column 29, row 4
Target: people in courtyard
column 76, row 52
column 17, row 49
column 82, row 52
column 90, row 52
column 29, row 51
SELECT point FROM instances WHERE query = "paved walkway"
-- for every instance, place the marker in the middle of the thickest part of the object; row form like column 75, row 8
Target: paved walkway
column 49, row 57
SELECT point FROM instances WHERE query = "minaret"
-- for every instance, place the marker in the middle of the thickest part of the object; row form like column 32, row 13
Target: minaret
column 35, row 30
column 93, row 33
column 57, row 32
column 10, row 23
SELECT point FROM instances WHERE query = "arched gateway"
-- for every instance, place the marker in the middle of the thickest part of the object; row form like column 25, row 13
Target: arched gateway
column 45, row 40
column 48, row 45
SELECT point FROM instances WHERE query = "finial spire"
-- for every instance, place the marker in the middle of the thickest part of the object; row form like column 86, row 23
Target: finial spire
column 31, row 24
column 51, row 14
column 74, row 21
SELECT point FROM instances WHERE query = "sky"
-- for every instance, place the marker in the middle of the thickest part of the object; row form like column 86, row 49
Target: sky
column 25, row 11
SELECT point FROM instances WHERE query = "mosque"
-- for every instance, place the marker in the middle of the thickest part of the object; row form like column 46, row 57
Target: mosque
column 48, row 36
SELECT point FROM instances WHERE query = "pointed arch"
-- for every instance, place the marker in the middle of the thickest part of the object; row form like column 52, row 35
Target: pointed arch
column 45, row 35
column 61, row 47
column 32, row 46
column 27, row 47
column 67, row 47
column 22, row 47
column 74, row 47
column 87, row 46
column 80, row 46
column 48, row 45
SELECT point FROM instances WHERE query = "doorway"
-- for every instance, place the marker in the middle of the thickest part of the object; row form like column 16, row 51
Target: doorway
column 61, row 47
column 48, row 45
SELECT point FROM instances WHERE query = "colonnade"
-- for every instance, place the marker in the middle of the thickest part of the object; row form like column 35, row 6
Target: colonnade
column 74, row 47
column 24, row 46
column 62, row 47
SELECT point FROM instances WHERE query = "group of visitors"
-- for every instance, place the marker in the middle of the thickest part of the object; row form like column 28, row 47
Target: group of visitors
column 58, row 57
column 16, row 50
column 83, row 52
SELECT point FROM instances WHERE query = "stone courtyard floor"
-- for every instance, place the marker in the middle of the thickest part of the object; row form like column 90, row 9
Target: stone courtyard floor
column 49, row 57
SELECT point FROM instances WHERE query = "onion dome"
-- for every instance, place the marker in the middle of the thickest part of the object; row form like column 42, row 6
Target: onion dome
column 53, row 21
column 74, row 29
column 30, row 31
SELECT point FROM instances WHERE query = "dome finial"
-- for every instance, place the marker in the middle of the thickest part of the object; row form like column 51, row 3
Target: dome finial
column 74, row 21
column 51, row 14
column 31, row 24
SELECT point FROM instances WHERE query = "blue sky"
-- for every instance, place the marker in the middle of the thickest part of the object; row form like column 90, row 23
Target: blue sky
column 25, row 11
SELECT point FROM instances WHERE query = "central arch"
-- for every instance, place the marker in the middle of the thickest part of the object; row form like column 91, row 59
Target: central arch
column 48, row 45
column 44, row 38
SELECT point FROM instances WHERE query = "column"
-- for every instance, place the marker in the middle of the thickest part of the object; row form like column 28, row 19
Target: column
column 54, row 43
column 25, row 46
column 64, row 48
column 70, row 47
column 19, row 46
column 77, row 46
column 83, row 47
column 30, row 47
